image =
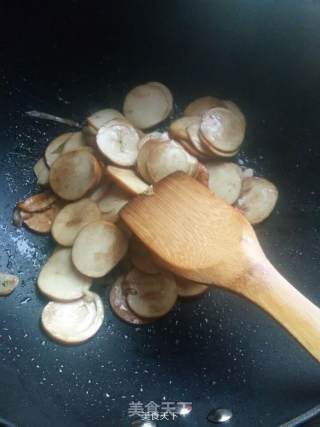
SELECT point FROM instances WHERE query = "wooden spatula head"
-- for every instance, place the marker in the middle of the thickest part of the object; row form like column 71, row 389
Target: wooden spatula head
column 192, row 232
column 197, row 235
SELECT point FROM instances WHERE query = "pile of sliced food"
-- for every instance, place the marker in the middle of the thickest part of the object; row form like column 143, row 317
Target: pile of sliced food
column 89, row 175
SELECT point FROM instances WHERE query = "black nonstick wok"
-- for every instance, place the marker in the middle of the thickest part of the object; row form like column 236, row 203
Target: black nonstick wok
column 218, row 351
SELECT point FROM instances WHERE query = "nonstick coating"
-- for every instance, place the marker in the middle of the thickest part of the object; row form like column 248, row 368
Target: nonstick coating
column 217, row 351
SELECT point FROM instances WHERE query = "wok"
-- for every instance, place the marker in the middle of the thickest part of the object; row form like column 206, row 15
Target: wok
column 217, row 351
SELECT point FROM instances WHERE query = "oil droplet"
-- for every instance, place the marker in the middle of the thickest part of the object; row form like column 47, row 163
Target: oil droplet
column 220, row 415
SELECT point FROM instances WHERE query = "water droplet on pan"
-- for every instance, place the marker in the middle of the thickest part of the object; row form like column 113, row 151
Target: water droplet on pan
column 220, row 415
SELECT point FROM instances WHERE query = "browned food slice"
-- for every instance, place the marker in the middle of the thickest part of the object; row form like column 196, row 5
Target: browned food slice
column 77, row 140
column 235, row 109
column 193, row 133
column 59, row 280
column 89, row 134
column 41, row 222
column 257, row 199
column 73, row 174
column 188, row 288
column 142, row 159
column 118, row 302
column 54, row 149
column 127, row 179
column 41, row 171
column 150, row 295
column 37, row 202
column 218, row 153
column 19, row 216
column 225, row 180
column 118, row 141
column 111, row 204
column 187, row 145
column 146, row 106
column 73, row 322
column 72, row 218
column 87, row 148
column 141, row 257
column 8, row 283
column 222, row 129
column 178, row 128
column 98, row 248
column 108, row 218
column 201, row 105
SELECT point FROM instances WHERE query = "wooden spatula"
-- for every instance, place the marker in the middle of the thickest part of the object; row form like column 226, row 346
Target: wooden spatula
column 198, row 236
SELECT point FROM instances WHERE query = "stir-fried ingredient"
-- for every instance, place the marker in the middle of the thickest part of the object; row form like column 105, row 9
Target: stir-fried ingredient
column 88, row 176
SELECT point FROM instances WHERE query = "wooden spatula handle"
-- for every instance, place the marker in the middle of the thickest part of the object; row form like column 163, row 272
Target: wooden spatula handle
column 273, row 293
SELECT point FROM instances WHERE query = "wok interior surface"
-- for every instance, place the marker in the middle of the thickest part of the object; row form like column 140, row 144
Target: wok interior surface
column 217, row 351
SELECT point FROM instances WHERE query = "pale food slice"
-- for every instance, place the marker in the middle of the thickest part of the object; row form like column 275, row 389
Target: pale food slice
column 99, row 192
column 154, row 136
column 188, row 288
column 111, row 204
column 101, row 117
column 76, row 140
column 150, row 295
column 98, row 247
column 73, row 322
column 167, row 157
column 222, row 129
column 118, row 141
column 8, row 283
column 54, row 149
column 118, row 302
column 59, row 280
column 225, row 180
column 127, row 179
column 146, row 106
column 41, row 171
column 72, row 218
column 73, row 174
column 167, row 93
column 257, row 199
